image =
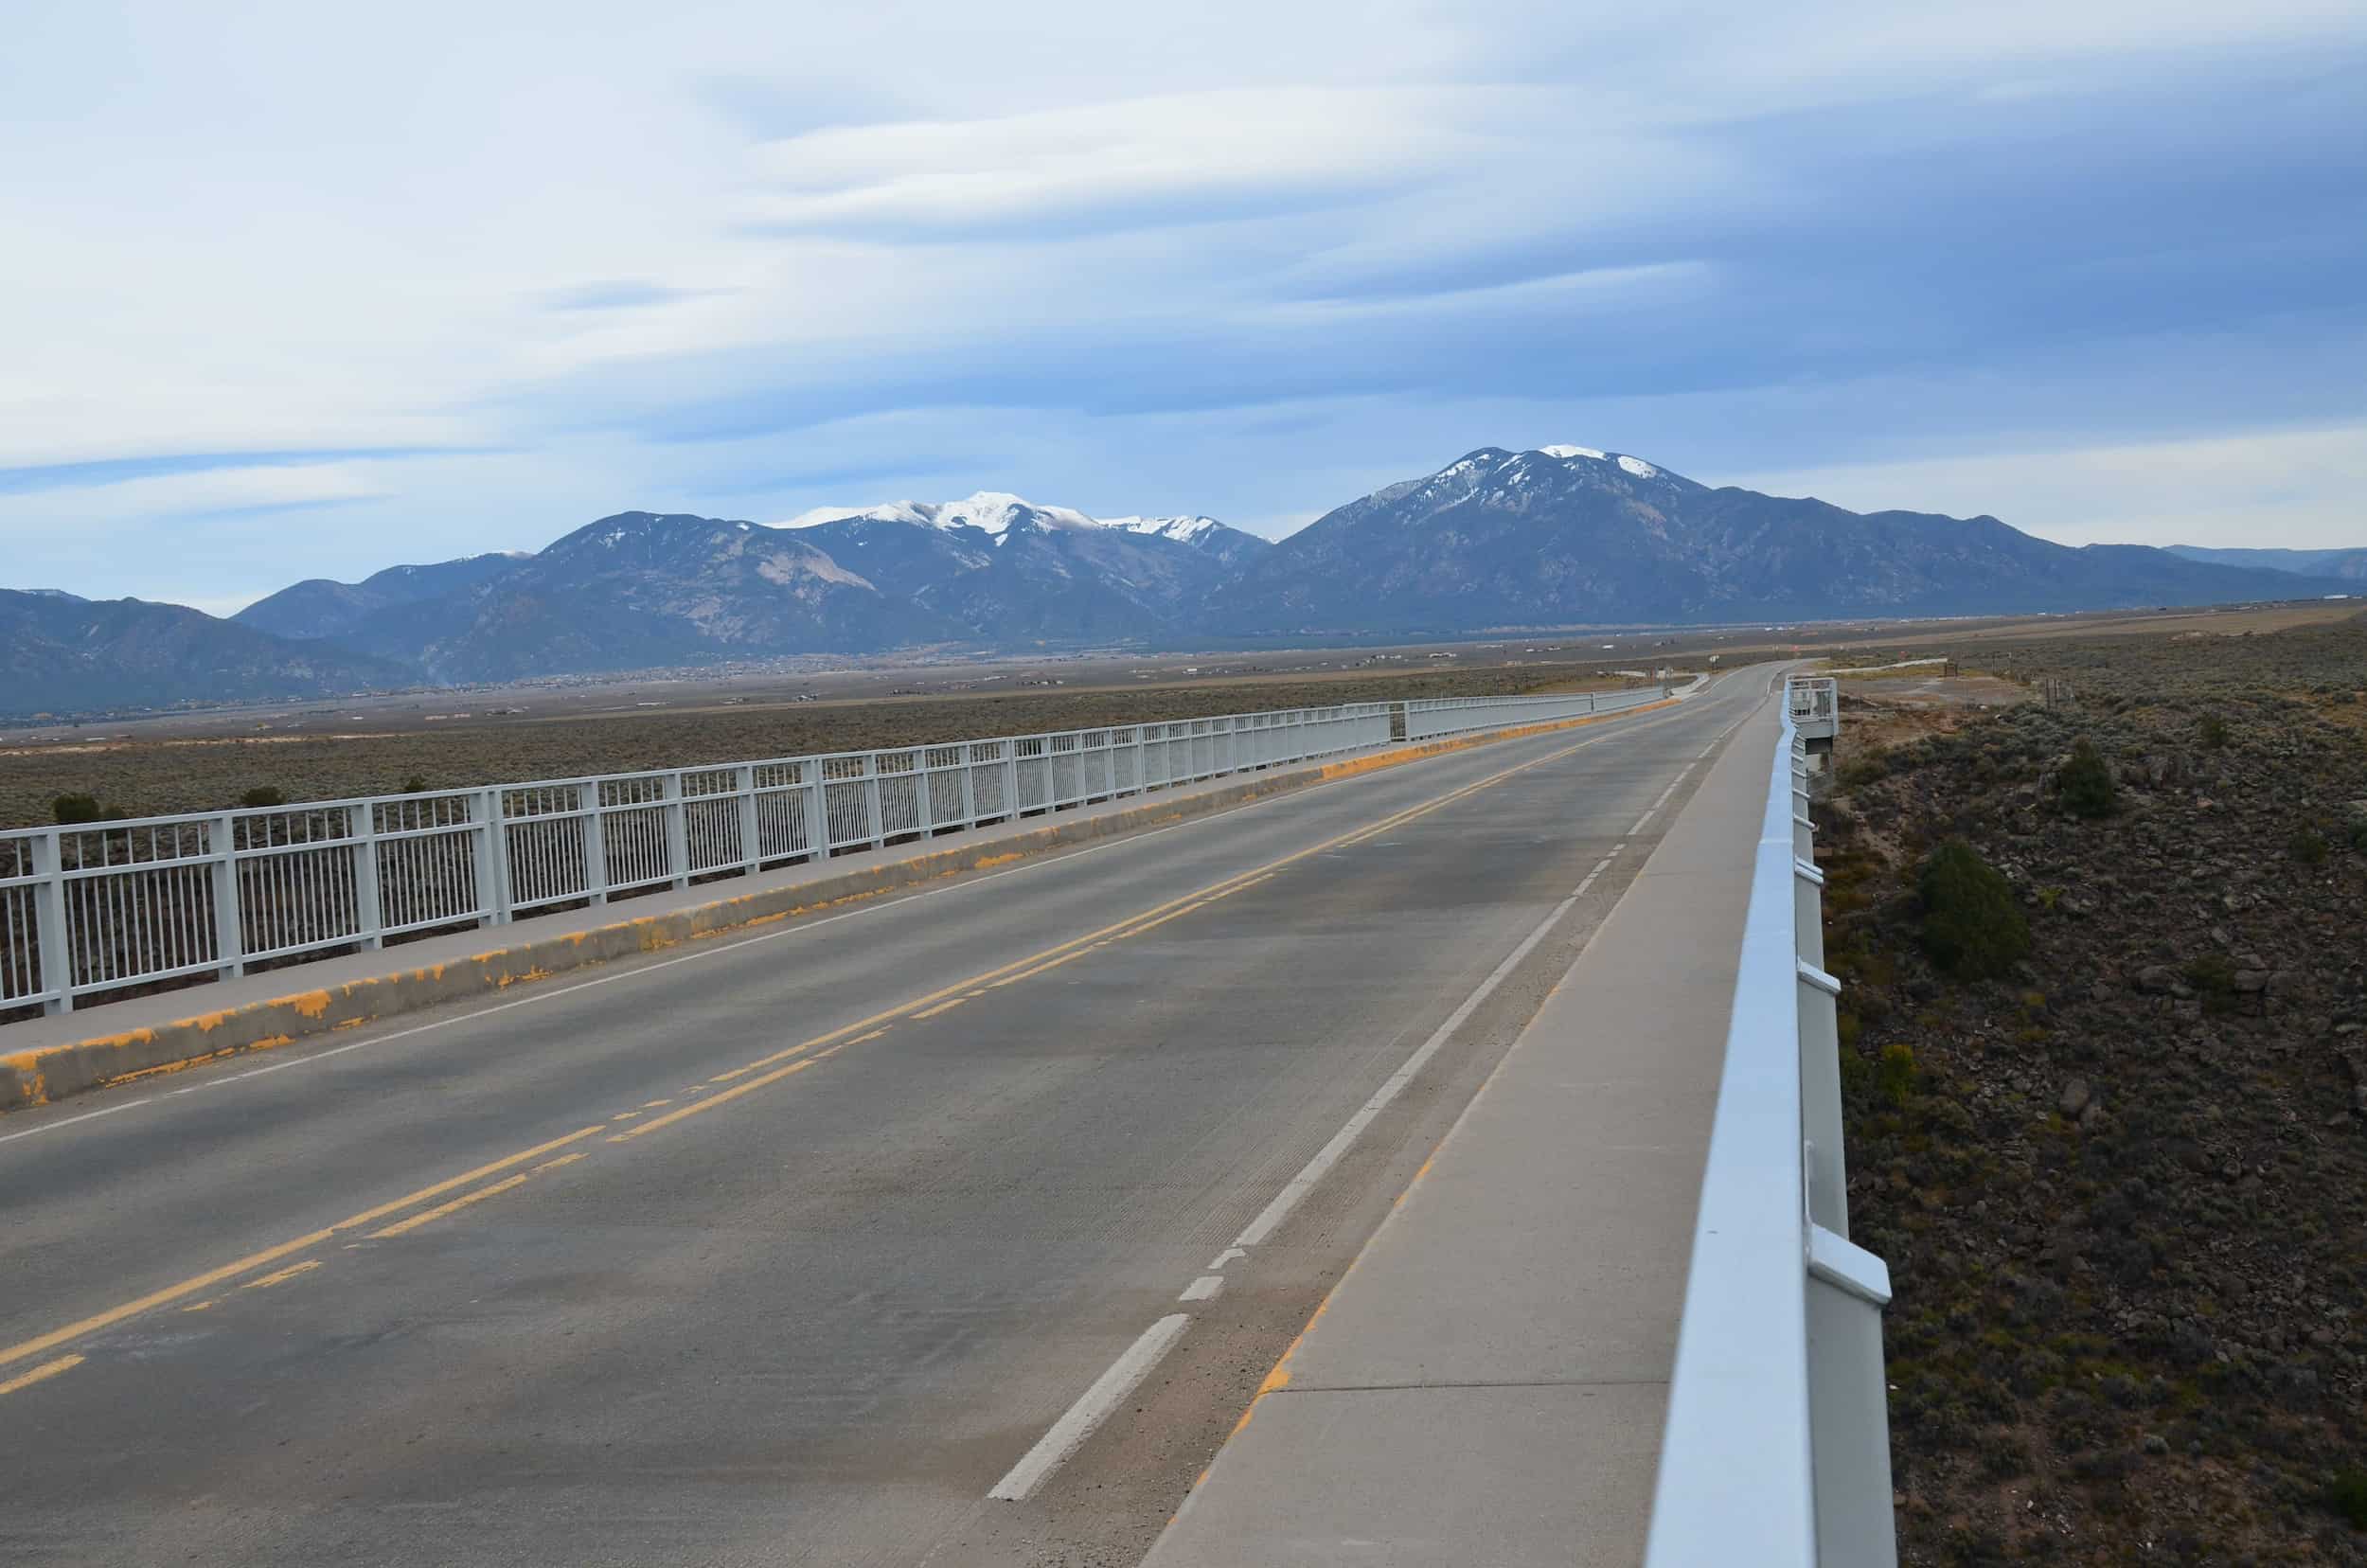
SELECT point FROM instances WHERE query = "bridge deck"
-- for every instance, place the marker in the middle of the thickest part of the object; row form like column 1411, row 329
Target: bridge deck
column 1487, row 1383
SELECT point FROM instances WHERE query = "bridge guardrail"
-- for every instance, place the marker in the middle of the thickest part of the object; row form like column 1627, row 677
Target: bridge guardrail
column 97, row 908
column 1776, row 1449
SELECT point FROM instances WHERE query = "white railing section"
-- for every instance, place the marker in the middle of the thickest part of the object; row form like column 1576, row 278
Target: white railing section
column 1814, row 704
column 1427, row 719
column 1776, row 1450
column 92, row 909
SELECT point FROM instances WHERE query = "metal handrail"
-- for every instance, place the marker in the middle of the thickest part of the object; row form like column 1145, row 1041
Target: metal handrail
column 95, row 908
column 1776, row 1449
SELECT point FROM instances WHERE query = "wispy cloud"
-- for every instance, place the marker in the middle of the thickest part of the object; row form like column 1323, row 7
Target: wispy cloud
column 27, row 478
column 622, row 293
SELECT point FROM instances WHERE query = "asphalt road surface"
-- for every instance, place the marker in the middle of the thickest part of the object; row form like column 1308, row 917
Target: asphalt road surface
column 795, row 1245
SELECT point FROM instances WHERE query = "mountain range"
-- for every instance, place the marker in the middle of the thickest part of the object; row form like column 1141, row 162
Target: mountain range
column 1497, row 540
column 2350, row 565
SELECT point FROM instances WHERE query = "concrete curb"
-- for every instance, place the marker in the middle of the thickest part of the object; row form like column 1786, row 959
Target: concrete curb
column 30, row 1078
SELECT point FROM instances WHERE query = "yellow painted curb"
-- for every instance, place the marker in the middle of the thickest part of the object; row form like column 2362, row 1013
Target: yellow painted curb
column 51, row 1073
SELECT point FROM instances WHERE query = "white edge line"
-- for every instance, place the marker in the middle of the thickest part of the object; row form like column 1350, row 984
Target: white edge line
column 1313, row 1171
column 1206, row 1287
column 1091, row 1408
column 69, row 1121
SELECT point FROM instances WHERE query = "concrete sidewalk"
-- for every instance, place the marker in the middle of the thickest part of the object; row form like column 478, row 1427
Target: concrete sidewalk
column 43, row 1060
column 1487, row 1383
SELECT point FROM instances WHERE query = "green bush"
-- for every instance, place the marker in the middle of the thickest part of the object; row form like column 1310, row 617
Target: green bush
column 2308, row 847
column 1859, row 771
column 69, row 810
column 2213, row 979
column 2347, row 1497
column 2086, row 787
column 1972, row 928
column 2212, row 732
column 264, row 794
column 1895, row 1073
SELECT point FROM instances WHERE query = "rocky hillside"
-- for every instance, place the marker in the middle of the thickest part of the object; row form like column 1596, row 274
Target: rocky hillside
column 1568, row 535
column 2120, row 1176
column 343, row 611
column 61, row 655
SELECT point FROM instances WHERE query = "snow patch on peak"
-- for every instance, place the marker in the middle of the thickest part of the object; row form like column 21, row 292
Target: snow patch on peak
column 1638, row 467
column 1183, row 529
column 1570, row 451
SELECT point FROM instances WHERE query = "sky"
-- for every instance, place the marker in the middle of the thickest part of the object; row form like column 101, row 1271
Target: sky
column 291, row 289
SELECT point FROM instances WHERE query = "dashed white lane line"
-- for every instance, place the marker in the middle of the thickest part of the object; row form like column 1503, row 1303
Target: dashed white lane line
column 1094, row 1407
column 1206, row 1287
column 1313, row 1171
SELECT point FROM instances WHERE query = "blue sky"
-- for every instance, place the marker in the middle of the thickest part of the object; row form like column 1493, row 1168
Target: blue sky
column 303, row 291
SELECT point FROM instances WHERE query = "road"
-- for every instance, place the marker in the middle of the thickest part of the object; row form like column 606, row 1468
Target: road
column 793, row 1246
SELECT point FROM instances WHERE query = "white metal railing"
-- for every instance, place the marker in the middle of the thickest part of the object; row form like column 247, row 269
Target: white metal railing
column 93, row 909
column 1429, row 717
column 1813, row 703
column 1776, row 1449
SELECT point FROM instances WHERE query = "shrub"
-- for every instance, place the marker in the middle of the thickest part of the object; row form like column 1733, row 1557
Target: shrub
column 2212, row 732
column 2347, row 1496
column 1859, row 771
column 2213, row 979
column 1895, row 1073
column 264, row 794
column 1972, row 928
column 68, row 809
column 2086, row 787
column 416, row 784
column 2308, row 847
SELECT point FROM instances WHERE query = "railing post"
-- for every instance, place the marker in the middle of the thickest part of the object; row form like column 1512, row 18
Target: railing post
column 49, row 927
column 493, row 858
column 969, row 784
column 1142, row 759
column 871, row 801
column 595, row 841
column 751, row 831
column 677, row 832
column 1010, row 779
column 817, row 811
column 369, row 914
column 229, row 941
column 924, row 809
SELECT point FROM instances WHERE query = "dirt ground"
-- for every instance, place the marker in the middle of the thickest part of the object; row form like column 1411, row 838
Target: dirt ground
column 2118, row 1178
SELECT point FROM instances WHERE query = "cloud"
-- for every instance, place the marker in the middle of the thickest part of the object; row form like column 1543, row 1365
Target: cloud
column 2297, row 487
column 1155, row 161
column 622, row 293
column 93, row 473
column 1233, row 258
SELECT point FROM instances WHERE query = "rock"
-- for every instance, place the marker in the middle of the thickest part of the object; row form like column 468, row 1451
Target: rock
column 2155, row 979
column 2251, row 981
column 2075, row 1098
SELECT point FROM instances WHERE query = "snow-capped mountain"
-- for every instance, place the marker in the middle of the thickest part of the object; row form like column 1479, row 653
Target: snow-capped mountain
column 995, row 513
column 1557, row 536
column 1566, row 535
column 1007, row 568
